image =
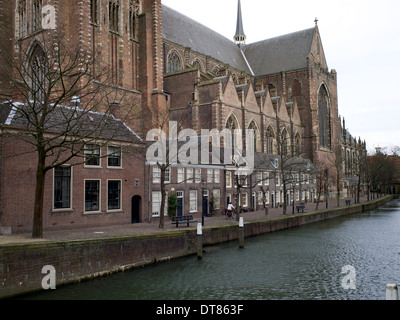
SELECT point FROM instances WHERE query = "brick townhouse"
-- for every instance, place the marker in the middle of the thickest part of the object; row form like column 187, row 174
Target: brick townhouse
column 102, row 185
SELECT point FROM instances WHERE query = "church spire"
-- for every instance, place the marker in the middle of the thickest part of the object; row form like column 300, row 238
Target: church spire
column 240, row 37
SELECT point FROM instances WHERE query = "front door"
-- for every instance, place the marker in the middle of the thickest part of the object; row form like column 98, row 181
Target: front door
column 136, row 200
column 205, row 203
column 179, row 200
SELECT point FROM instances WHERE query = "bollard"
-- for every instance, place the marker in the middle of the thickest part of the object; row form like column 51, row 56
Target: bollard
column 199, row 241
column 392, row 292
column 241, row 233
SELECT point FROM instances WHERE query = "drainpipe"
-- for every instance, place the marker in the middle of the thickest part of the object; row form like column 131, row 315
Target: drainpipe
column 1, row 176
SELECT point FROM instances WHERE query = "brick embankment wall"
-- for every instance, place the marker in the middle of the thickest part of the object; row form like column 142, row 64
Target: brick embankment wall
column 21, row 264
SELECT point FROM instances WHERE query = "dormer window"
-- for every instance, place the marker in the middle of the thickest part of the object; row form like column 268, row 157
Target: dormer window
column 275, row 163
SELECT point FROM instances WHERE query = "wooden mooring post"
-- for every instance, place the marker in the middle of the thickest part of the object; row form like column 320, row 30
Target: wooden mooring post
column 199, row 241
column 392, row 292
column 241, row 232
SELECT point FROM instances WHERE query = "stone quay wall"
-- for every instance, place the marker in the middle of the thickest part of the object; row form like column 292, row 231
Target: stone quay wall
column 21, row 264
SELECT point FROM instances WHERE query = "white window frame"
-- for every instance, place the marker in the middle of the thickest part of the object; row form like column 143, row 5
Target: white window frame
column 260, row 198
column 84, row 197
column 217, row 198
column 266, row 195
column 210, row 175
column 245, row 200
column 156, row 174
column 278, row 179
column 120, row 196
column 189, row 175
column 158, row 203
column 216, row 176
column 197, row 177
column 86, row 151
column 266, row 178
column 167, row 175
column 110, row 154
column 193, row 201
column 70, row 190
column 259, row 178
column 228, row 181
column 181, row 175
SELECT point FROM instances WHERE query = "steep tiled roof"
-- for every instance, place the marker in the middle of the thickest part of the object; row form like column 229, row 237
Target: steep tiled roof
column 69, row 120
column 284, row 53
column 179, row 29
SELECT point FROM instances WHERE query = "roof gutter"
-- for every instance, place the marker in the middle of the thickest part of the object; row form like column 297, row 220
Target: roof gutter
column 247, row 63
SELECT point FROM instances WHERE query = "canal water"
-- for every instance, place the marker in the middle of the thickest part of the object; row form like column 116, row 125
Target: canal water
column 304, row 263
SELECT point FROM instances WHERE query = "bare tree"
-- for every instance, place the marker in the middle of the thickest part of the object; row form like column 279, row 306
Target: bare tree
column 382, row 169
column 322, row 184
column 163, row 153
column 291, row 167
column 60, row 107
column 337, row 162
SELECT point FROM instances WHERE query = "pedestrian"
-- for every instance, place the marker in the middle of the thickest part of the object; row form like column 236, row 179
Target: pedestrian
column 230, row 210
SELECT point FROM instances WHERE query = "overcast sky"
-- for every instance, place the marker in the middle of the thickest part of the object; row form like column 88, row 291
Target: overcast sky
column 361, row 40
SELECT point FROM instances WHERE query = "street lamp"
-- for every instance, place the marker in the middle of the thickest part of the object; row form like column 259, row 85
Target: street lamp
column 204, row 201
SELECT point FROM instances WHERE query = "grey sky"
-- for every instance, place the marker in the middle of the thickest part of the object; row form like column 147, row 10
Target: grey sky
column 361, row 40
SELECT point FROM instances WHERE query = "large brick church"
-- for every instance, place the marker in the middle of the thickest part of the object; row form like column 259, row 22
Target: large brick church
column 174, row 67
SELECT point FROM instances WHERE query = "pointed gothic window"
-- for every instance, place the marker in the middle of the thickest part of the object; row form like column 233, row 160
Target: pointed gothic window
column 284, row 143
column 21, row 18
column 232, row 125
column 295, row 92
column 270, row 141
column 174, row 63
column 36, row 15
column 197, row 65
column 253, row 143
column 325, row 120
column 134, row 7
column 297, row 145
column 272, row 90
column 94, row 11
column 113, row 15
column 216, row 71
column 38, row 72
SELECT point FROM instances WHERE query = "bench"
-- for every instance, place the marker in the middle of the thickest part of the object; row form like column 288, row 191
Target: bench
column 348, row 202
column 183, row 220
column 302, row 208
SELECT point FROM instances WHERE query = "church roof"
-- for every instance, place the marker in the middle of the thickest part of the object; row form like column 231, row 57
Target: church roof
column 187, row 32
column 279, row 54
column 284, row 53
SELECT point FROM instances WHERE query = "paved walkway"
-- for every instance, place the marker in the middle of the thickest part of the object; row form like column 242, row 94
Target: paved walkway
column 152, row 228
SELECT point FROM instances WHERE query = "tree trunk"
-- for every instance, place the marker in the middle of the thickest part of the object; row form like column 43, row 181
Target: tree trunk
column 319, row 197
column 338, row 188
column 37, row 231
column 284, row 198
column 237, row 206
column 163, row 170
